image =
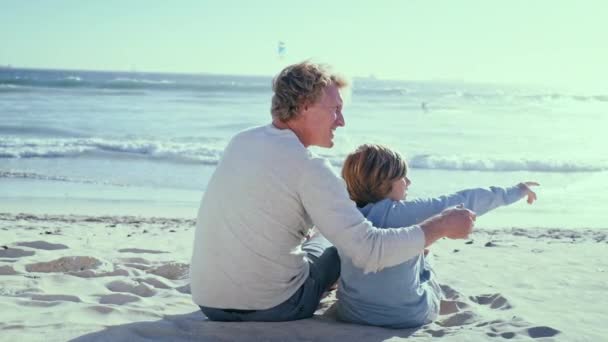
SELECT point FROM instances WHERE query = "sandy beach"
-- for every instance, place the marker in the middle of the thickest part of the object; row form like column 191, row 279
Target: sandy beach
column 125, row 278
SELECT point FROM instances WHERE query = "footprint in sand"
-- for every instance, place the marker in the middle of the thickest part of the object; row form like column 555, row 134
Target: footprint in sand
column 172, row 271
column 515, row 328
column 452, row 306
column 65, row 264
column 116, row 298
column 136, row 288
column 507, row 335
column 53, row 298
column 518, row 327
column 138, row 250
column 42, row 245
column 140, row 267
column 495, row 301
column 7, row 252
column 135, row 262
column 483, row 324
column 542, row 331
column 7, row 270
column 458, row 319
column 154, row 282
column 449, row 292
column 184, row 289
column 102, row 309
column 38, row 303
column 435, row 333
column 96, row 274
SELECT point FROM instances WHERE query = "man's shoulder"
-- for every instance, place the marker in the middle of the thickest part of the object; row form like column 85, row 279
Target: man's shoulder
column 318, row 162
column 269, row 144
column 249, row 132
column 265, row 133
column 252, row 137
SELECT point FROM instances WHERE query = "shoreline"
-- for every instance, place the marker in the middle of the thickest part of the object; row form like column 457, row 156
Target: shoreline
column 552, row 210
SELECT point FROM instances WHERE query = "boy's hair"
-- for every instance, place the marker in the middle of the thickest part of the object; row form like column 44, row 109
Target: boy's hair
column 298, row 85
column 369, row 173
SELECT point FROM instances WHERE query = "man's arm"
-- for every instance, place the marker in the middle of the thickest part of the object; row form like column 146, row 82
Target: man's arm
column 324, row 197
column 453, row 223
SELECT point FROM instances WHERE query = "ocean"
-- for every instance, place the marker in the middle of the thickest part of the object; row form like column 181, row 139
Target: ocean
column 134, row 143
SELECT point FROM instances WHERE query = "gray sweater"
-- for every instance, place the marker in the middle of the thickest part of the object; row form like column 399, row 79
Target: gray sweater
column 265, row 195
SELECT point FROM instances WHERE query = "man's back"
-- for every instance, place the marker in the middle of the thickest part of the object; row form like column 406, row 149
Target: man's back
column 251, row 224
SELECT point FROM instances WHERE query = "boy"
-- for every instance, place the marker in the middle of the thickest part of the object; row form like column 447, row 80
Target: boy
column 406, row 295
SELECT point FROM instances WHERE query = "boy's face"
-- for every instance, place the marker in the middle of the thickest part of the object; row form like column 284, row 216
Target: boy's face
column 399, row 189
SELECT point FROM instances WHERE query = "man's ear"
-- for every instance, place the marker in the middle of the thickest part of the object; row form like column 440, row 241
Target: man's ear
column 305, row 104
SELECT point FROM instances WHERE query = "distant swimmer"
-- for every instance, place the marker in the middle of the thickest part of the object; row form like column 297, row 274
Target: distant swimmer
column 424, row 107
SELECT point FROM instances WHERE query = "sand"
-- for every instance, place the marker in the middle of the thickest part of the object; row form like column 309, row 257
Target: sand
column 94, row 278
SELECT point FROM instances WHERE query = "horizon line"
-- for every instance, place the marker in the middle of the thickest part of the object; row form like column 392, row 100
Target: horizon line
column 370, row 76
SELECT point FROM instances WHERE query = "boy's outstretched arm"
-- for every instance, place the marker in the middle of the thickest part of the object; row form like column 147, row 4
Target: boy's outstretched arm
column 479, row 200
column 482, row 200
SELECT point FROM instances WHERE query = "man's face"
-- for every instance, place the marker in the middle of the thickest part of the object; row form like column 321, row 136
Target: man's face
column 320, row 119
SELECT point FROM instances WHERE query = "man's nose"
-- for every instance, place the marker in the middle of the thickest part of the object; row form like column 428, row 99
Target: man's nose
column 340, row 120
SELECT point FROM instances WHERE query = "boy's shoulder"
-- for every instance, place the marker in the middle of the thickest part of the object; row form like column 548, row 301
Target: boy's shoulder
column 380, row 206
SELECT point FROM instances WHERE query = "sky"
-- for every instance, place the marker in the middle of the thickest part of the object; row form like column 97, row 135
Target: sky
column 541, row 42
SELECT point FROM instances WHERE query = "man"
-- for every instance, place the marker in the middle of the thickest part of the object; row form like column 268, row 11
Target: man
column 251, row 260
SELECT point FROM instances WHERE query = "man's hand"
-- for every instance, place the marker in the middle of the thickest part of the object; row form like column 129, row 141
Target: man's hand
column 525, row 186
column 454, row 223
column 457, row 222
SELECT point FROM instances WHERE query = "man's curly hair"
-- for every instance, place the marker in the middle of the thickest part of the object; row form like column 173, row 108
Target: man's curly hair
column 299, row 85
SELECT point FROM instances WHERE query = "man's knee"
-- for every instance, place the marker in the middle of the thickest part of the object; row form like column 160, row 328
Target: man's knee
column 331, row 260
column 216, row 314
column 333, row 256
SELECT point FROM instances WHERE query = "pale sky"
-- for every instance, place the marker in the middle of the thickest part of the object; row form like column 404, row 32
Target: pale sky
column 550, row 42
